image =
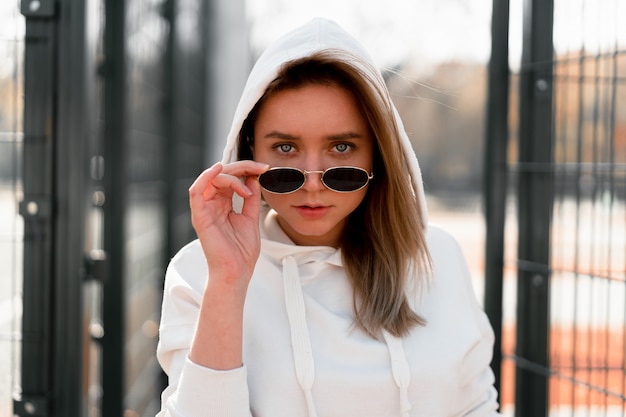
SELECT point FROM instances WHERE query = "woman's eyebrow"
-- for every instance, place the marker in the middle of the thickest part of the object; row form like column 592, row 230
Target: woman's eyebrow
column 345, row 135
column 274, row 134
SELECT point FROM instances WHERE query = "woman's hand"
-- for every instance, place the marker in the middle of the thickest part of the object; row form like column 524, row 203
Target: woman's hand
column 230, row 240
column 231, row 245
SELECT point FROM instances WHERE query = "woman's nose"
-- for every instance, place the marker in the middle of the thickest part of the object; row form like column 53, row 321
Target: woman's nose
column 313, row 166
column 313, row 180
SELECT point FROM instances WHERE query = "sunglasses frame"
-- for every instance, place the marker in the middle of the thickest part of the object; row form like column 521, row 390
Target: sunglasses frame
column 305, row 173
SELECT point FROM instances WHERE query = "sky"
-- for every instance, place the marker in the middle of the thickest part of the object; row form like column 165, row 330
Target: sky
column 394, row 31
column 420, row 32
column 10, row 29
column 434, row 31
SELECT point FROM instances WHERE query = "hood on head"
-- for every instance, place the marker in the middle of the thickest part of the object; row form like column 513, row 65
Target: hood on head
column 317, row 35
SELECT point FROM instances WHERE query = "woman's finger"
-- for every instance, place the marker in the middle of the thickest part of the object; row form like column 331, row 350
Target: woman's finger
column 199, row 187
column 252, row 204
column 229, row 183
column 245, row 168
column 228, row 178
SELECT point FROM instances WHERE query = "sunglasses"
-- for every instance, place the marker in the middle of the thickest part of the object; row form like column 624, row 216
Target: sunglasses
column 281, row 180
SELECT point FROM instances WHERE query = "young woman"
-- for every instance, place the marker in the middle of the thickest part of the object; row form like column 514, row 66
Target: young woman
column 316, row 286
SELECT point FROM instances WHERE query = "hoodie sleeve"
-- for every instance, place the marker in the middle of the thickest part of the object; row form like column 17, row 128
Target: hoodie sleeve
column 193, row 390
column 461, row 337
column 477, row 395
column 480, row 398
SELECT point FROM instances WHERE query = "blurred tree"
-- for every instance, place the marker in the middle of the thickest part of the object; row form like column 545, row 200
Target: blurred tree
column 445, row 123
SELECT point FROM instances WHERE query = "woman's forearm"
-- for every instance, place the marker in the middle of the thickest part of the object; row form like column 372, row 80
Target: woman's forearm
column 217, row 342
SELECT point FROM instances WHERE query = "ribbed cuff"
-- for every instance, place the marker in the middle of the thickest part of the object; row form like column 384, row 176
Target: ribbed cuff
column 210, row 393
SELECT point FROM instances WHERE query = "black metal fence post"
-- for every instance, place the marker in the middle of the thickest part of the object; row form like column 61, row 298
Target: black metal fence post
column 76, row 121
column 535, row 199
column 38, row 206
column 495, row 173
column 115, row 175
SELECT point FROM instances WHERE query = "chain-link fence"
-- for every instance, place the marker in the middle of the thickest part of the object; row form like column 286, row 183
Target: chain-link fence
column 564, row 344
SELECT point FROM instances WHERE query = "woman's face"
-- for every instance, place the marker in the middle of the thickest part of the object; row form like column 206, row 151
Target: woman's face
column 313, row 128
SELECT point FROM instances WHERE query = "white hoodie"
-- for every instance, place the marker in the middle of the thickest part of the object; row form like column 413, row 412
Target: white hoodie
column 301, row 353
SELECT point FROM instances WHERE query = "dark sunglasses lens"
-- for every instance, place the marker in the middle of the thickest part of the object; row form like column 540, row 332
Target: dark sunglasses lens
column 283, row 180
column 345, row 179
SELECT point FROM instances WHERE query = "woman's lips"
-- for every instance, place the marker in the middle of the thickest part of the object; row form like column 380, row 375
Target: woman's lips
column 312, row 212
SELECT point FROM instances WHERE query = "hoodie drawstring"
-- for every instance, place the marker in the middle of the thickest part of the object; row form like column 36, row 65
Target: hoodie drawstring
column 400, row 369
column 300, row 341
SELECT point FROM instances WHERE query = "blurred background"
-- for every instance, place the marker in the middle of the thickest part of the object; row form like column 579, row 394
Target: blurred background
column 109, row 109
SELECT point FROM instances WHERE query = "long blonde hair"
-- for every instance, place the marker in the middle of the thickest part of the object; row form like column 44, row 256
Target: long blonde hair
column 383, row 243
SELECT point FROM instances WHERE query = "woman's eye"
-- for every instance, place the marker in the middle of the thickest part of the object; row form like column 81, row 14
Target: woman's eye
column 285, row 147
column 342, row 147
